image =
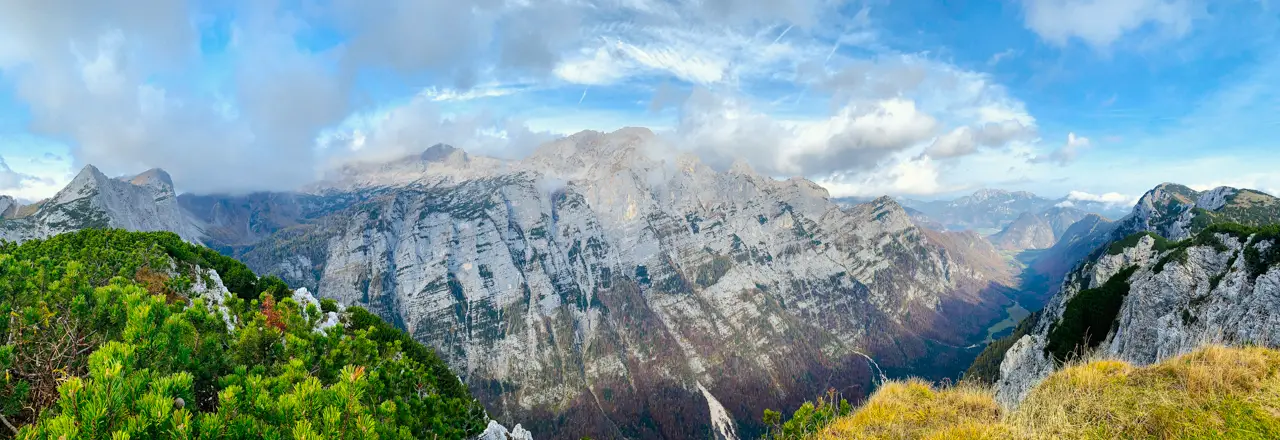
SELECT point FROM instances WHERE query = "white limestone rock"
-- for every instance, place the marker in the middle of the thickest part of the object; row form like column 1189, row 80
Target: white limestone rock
column 305, row 298
column 495, row 431
column 1024, row 366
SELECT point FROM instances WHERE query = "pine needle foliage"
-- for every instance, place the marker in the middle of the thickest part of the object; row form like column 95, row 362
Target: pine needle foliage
column 105, row 339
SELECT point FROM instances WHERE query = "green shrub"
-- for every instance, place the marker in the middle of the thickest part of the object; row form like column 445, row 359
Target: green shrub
column 328, row 305
column 811, row 417
column 1117, row 247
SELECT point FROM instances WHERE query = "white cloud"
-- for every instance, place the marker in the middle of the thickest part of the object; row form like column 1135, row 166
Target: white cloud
column 1100, row 23
column 13, row 180
column 1001, row 56
column 593, row 67
column 435, row 94
column 1112, row 199
column 965, row 140
column 88, row 74
column 699, row 56
column 412, row 127
column 857, row 137
column 1068, row 152
column 906, row 176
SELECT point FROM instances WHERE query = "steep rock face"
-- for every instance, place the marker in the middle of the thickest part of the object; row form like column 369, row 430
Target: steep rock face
column 1213, row 288
column 919, row 218
column 1027, row 361
column 595, row 289
column 1040, row 230
column 9, row 207
column 145, row 202
column 1060, row 219
column 233, row 223
column 1029, row 231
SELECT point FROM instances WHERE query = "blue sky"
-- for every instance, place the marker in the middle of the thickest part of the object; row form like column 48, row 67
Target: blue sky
column 1103, row 98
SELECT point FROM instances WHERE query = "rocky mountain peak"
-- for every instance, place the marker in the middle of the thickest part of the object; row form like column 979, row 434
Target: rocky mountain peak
column 87, row 181
column 1029, row 231
column 90, row 172
column 740, row 166
column 155, row 179
column 593, row 154
column 154, row 176
column 1166, row 192
column 889, row 212
column 640, row 133
column 987, row 193
column 439, row 152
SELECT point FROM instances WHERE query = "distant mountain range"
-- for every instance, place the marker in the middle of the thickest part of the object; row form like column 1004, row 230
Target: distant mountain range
column 991, row 209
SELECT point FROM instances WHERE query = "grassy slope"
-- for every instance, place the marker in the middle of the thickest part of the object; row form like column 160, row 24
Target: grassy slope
column 1215, row 392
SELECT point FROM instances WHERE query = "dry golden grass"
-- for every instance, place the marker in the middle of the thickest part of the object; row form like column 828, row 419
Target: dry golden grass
column 1247, row 199
column 913, row 409
column 1215, row 392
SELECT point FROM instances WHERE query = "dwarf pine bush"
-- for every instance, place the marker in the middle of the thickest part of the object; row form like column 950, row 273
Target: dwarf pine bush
column 104, row 339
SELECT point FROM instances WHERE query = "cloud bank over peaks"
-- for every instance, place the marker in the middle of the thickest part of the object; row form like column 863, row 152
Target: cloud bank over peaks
column 857, row 137
column 1111, row 199
column 410, row 128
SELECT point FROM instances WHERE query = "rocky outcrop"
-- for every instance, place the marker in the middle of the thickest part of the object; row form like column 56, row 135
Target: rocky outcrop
column 495, row 431
column 1215, row 287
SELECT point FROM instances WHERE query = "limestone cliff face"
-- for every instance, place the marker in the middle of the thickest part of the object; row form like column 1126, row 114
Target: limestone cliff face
column 605, row 287
column 1213, row 287
column 1037, row 230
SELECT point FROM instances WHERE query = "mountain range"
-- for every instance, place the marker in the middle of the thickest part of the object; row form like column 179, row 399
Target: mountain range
column 993, row 209
column 604, row 284
column 600, row 287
